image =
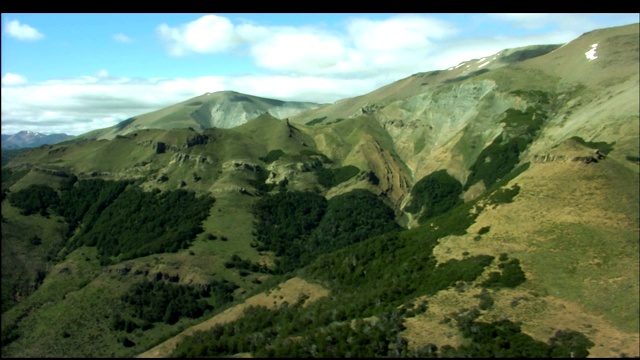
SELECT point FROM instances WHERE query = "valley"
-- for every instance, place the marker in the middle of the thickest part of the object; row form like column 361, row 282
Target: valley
column 483, row 210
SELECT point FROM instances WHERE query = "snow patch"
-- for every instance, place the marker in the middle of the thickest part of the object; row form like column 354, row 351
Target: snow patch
column 481, row 65
column 591, row 54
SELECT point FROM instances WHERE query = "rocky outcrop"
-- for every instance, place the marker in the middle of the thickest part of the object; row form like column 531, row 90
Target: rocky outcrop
column 57, row 150
column 393, row 182
column 548, row 158
column 197, row 139
column 94, row 174
column 198, row 159
column 58, row 173
column 159, row 147
column 584, row 158
column 238, row 165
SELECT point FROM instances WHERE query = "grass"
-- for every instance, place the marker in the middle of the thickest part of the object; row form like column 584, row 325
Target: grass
column 22, row 260
column 597, row 276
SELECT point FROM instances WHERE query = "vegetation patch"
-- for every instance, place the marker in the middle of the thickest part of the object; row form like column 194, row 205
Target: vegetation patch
column 537, row 96
column 332, row 177
column 299, row 226
column 633, row 159
column 510, row 276
column 86, row 200
column 155, row 301
column 316, row 121
column 484, row 230
column 272, row 156
column 505, row 339
column 259, row 183
column 140, row 223
column 524, row 123
column 601, row 146
column 503, row 196
column 419, row 144
column 132, row 223
column 434, row 194
column 238, row 263
column 496, row 161
column 35, row 199
column 286, row 219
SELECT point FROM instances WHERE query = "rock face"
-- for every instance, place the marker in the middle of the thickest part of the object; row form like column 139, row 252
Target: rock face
column 159, row 147
column 223, row 109
column 393, row 182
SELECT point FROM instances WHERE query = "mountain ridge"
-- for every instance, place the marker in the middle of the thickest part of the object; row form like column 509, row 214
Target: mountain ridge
column 28, row 139
column 517, row 189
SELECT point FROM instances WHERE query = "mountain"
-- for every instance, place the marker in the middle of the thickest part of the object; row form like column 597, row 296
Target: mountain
column 222, row 109
column 487, row 210
column 28, row 139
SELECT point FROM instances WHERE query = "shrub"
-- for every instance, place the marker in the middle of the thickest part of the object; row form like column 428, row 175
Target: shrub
column 483, row 230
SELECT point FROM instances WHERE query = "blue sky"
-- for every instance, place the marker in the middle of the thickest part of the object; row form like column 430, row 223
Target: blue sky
column 74, row 73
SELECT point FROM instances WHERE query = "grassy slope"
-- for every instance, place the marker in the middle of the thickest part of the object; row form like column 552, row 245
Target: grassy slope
column 575, row 228
column 561, row 207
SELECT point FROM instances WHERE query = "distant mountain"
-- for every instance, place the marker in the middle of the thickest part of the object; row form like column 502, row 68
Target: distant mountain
column 222, row 109
column 29, row 139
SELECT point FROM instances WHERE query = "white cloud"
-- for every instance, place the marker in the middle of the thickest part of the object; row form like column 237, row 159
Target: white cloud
column 13, row 79
column 208, row 34
column 122, row 38
column 102, row 73
column 78, row 105
column 299, row 52
column 363, row 47
column 403, row 32
column 22, row 31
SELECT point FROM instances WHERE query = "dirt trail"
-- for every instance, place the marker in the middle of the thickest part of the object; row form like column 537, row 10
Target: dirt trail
column 289, row 291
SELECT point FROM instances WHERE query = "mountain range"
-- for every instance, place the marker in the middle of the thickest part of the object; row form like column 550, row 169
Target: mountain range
column 28, row 139
column 488, row 209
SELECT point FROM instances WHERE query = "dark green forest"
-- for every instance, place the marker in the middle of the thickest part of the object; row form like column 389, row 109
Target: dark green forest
column 117, row 217
column 434, row 194
column 299, row 226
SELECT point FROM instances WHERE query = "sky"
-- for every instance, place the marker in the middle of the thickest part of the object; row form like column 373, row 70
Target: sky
column 73, row 73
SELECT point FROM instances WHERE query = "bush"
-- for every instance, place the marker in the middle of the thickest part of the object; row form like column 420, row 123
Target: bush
column 510, row 277
column 483, row 230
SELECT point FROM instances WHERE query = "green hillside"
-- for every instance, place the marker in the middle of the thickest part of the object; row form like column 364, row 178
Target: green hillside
column 458, row 213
